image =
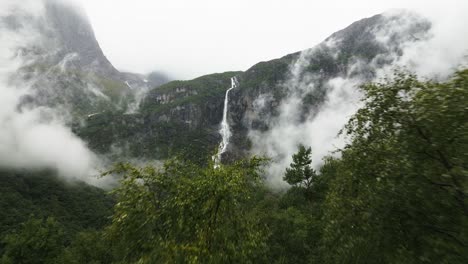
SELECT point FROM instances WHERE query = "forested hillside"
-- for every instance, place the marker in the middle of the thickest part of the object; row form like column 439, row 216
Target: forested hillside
column 353, row 150
column 395, row 194
column 40, row 213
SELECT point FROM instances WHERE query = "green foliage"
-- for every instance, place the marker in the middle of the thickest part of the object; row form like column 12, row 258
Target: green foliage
column 199, row 90
column 399, row 190
column 182, row 126
column 293, row 219
column 114, row 89
column 89, row 247
column 300, row 172
column 38, row 241
column 130, row 134
column 184, row 213
column 396, row 194
column 77, row 206
column 267, row 74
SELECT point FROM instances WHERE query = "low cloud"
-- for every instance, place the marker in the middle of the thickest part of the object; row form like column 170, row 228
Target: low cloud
column 434, row 54
column 34, row 137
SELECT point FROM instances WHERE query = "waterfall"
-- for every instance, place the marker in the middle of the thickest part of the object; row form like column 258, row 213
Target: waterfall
column 225, row 131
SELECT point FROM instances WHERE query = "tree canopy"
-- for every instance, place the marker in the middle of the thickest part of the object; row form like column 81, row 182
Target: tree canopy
column 395, row 194
column 300, row 172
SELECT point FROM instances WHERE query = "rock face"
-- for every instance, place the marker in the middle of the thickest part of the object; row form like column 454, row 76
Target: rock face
column 64, row 64
column 183, row 117
column 178, row 118
column 356, row 52
column 134, row 115
column 75, row 35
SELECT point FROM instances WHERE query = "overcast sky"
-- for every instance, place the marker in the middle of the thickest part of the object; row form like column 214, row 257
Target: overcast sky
column 188, row 38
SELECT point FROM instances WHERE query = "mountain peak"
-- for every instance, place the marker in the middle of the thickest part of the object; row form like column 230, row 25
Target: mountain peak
column 74, row 33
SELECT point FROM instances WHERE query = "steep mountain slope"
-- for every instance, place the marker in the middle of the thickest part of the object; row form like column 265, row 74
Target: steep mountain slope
column 63, row 63
column 42, row 194
column 75, row 35
column 397, row 193
column 304, row 80
column 180, row 117
column 184, row 116
column 67, row 70
column 54, row 75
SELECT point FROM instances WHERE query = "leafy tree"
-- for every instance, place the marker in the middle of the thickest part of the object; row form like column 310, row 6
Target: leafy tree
column 76, row 205
column 398, row 193
column 89, row 246
column 294, row 218
column 300, row 172
column 185, row 213
column 292, row 235
column 38, row 241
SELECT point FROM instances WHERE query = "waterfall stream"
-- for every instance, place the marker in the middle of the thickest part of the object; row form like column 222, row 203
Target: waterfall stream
column 225, row 131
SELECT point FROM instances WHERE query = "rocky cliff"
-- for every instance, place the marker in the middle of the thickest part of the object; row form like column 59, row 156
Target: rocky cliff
column 303, row 79
column 125, row 114
column 183, row 117
column 63, row 63
column 178, row 118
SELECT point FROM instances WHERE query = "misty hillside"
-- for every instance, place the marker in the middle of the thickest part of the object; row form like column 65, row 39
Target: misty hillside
column 195, row 107
column 354, row 150
column 64, row 56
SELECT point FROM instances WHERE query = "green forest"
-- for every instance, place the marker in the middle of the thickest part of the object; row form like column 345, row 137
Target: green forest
column 396, row 193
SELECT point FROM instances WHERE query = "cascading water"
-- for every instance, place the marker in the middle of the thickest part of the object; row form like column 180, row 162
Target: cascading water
column 225, row 131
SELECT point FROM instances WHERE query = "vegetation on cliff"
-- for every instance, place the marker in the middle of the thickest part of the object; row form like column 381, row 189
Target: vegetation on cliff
column 396, row 194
